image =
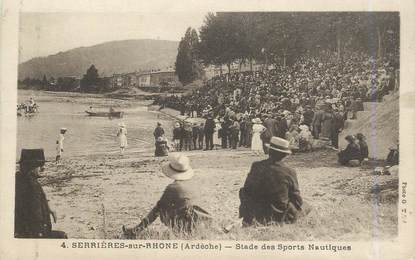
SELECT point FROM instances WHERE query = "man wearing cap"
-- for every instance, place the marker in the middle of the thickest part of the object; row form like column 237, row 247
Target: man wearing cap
column 271, row 191
column 59, row 143
column 178, row 207
column 32, row 212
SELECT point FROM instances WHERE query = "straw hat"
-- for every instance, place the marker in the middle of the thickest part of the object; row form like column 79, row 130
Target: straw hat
column 64, row 129
column 279, row 144
column 178, row 168
column 303, row 127
column 122, row 124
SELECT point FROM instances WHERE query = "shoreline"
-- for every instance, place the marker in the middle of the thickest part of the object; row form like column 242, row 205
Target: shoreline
column 94, row 195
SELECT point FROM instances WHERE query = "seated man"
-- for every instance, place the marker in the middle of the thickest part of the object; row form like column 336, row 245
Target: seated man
column 162, row 147
column 271, row 192
column 178, row 206
column 364, row 149
column 351, row 155
column 32, row 212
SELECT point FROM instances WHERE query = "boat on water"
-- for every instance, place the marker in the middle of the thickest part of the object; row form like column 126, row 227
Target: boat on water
column 105, row 114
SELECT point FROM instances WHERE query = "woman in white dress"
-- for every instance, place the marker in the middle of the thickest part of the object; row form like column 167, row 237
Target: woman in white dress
column 59, row 143
column 257, row 129
column 216, row 140
column 122, row 135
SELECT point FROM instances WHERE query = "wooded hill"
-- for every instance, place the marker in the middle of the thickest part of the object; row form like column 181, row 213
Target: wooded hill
column 110, row 57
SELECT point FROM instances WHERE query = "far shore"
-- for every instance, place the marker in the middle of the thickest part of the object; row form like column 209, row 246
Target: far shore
column 127, row 99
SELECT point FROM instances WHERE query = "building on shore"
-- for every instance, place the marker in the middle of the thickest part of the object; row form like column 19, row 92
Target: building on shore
column 213, row 71
column 154, row 78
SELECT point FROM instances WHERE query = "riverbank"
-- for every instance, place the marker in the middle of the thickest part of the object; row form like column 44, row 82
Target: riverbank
column 97, row 194
column 123, row 99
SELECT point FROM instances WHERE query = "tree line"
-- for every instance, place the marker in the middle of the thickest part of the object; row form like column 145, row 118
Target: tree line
column 282, row 37
column 89, row 83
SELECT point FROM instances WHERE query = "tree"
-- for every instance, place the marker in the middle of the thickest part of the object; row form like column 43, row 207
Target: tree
column 187, row 65
column 281, row 38
column 45, row 82
column 90, row 80
column 221, row 39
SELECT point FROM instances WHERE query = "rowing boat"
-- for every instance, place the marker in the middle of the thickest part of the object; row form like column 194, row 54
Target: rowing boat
column 105, row 114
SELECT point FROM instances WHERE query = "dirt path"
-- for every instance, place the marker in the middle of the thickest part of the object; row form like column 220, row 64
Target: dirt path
column 95, row 196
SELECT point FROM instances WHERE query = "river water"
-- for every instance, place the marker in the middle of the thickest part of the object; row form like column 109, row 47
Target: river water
column 85, row 135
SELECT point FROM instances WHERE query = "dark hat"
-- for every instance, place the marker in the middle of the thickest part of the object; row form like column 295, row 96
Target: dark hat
column 36, row 156
column 350, row 138
column 360, row 136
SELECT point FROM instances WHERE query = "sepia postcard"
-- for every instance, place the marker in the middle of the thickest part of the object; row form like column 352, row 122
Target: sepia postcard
column 238, row 129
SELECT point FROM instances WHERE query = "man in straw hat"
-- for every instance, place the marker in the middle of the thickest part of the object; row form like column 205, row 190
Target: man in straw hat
column 59, row 143
column 271, row 192
column 178, row 206
column 32, row 212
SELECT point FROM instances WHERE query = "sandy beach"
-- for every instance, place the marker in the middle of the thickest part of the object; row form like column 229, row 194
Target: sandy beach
column 95, row 195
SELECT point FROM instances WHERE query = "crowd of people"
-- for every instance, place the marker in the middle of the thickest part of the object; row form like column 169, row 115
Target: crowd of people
column 275, row 112
column 311, row 99
column 309, row 81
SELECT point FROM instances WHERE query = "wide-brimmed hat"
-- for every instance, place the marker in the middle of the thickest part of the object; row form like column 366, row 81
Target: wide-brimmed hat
column 178, row 167
column 32, row 156
column 63, row 129
column 122, row 124
column 303, row 127
column 279, row 144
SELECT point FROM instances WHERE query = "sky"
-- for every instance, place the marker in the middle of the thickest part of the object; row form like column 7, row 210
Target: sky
column 43, row 34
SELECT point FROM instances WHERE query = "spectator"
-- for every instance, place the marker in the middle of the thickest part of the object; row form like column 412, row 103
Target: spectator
column 195, row 135
column 364, row 149
column 351, row 155
column 209, row 130
column 201, row 135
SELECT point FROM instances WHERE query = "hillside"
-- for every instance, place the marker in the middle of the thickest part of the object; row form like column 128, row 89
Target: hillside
column 109, row 58
column 379, row 123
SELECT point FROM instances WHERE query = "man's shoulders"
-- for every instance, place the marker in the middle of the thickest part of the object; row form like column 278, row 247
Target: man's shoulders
column 261, row 163
column 281, row 167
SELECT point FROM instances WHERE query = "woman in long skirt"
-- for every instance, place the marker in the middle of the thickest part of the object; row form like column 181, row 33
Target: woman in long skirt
column 257, row 129
column 216, row 137
column 122, row 135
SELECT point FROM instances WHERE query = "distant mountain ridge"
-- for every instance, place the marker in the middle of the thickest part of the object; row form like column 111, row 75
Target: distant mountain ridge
column 109, row 57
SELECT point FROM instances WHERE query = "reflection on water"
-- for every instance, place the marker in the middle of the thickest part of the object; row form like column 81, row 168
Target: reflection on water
column 85, row 134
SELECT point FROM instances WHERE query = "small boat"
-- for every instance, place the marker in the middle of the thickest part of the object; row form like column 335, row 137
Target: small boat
column 105, row 114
